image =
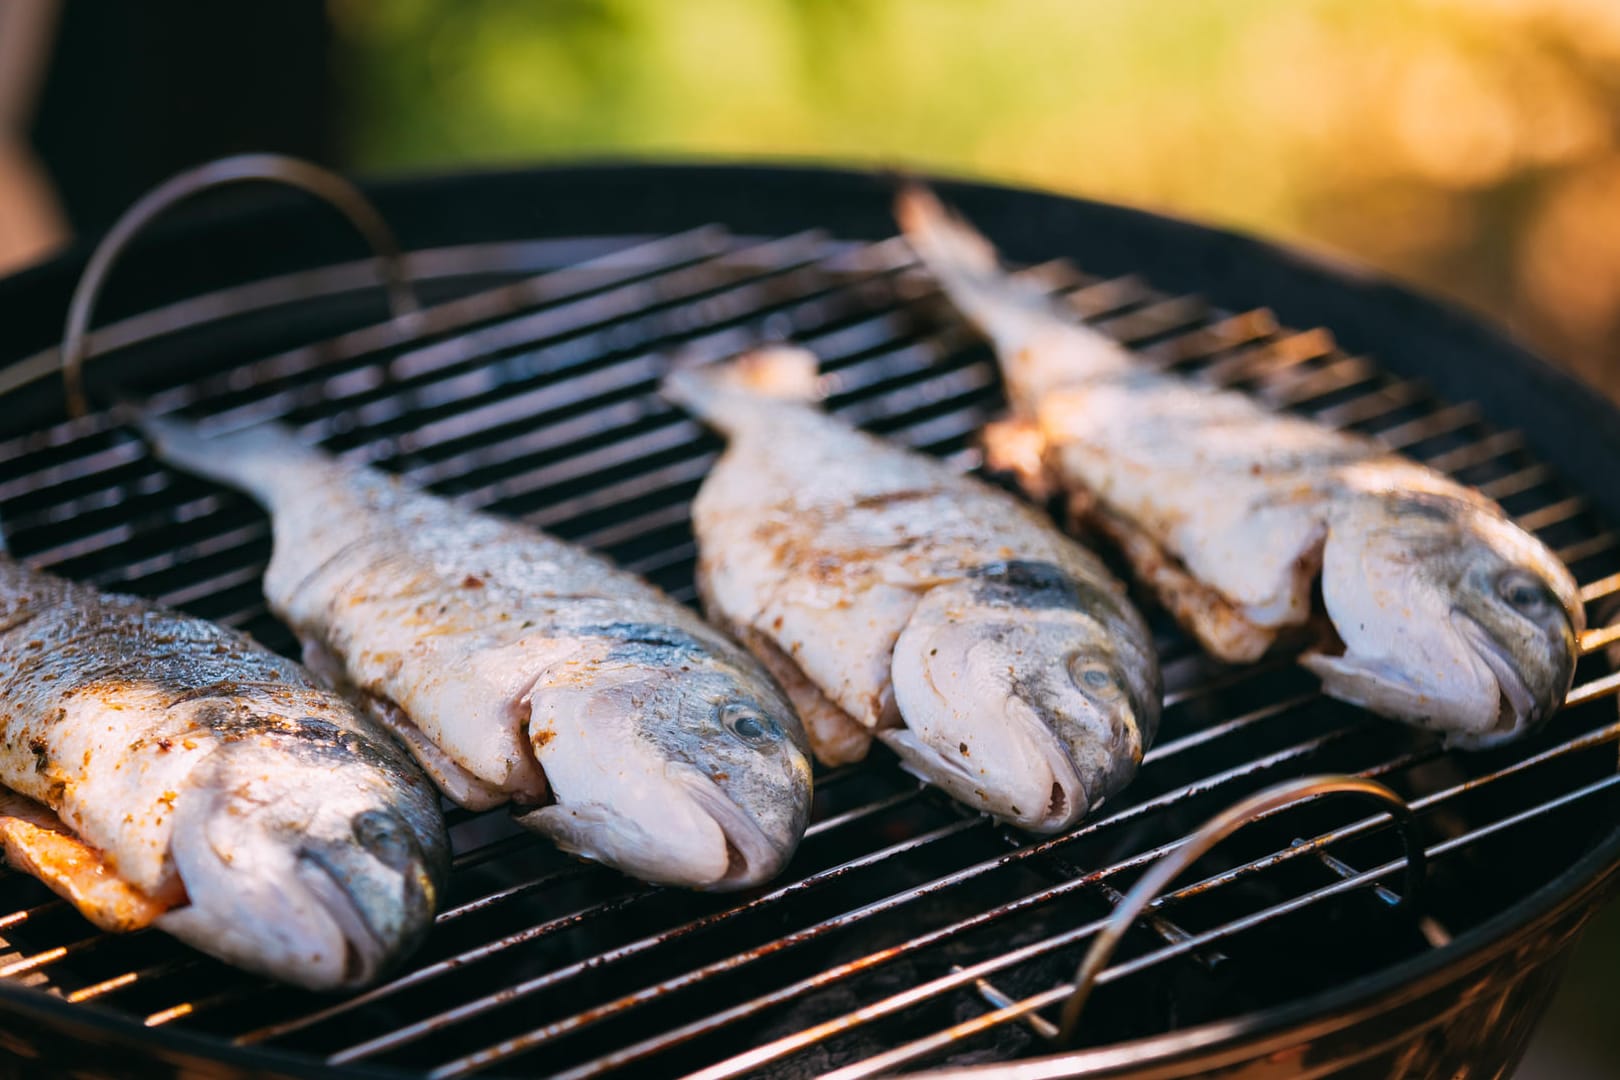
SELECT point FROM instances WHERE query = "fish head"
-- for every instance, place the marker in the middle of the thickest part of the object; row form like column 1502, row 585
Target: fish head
column 1026, row 690
column 310, row 850
column 1451, row 617
column 673, row 757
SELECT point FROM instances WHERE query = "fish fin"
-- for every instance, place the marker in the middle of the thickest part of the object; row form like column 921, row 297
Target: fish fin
column 1217, row 623
column 836, row 738
column 457, row 782
column 1041, row 343
column 259, row 460
column 1008, row 311
column 1017, row 447
column 37, row 842
column 770, row 372
column 942, row 238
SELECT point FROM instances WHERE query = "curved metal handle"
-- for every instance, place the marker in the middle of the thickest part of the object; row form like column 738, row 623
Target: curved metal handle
column 327, row 186
column 1212, row 832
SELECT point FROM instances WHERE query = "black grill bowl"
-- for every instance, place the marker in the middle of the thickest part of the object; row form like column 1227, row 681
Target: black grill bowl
column 553, row 300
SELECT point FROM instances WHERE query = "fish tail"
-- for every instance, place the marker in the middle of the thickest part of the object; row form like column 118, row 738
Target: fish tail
column 260, row 460
column 967, row 267
column 942, row 238
column 770, row 373
column 1040, row 343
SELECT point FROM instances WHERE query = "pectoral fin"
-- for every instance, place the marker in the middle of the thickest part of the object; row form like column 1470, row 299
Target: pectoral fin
column 463, row 788
column 1016, row 446
column 1218, row 624
column 835, row 737
column 37, row 843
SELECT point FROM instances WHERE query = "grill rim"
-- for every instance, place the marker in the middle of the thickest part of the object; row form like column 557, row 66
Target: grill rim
column 828, row 194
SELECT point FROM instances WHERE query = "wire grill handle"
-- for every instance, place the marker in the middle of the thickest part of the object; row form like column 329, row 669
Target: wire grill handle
column 1257, row 806
column 326, row 186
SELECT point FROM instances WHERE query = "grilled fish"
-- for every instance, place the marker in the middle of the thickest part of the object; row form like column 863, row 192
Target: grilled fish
column 523, row 670
column 162, row 770
column 1446, row 614
column 894, row 597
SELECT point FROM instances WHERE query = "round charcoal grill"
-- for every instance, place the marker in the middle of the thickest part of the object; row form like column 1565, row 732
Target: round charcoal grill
column 907, row 934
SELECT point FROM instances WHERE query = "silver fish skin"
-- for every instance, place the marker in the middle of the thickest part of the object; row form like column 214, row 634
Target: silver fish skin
column 164, row 770
column 895, row 597
column 523, row 670
column 1447, row 615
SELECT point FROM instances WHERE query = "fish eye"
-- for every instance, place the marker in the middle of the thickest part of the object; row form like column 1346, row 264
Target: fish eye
column 748, row 724
column 1091, row 675
column 1525, row 593
column 384, row 836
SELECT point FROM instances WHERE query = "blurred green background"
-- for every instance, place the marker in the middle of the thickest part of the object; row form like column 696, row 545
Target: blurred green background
column 1467, row 145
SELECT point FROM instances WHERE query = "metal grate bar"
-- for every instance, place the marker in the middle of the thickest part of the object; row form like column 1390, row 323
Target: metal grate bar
column 130, row 978
column 1336, row 375
column 462, row 959
column 1590, row 548
column 764, row 1055
column 562, row 511
column 409, row 1033
column 49, row 956
column 484, row 1058
column 511, row 892
column 1517, row 483
column 224, row 583
column 923, row 1047
column 545, row 260
column 212, row 503
column 815, row 931
column 1554, row 514
column 1316, row 845
column 16, row 918
column 537, row 398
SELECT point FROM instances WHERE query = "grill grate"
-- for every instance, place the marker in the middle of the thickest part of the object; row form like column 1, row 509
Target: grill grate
column 905, row 930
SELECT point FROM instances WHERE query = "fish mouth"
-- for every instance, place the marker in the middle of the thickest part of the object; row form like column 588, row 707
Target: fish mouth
column 750, row 856
column 1376, row 685
column 299, row 920
column 690, row 833
column 1047, row 795
column 1517, row 707
column 1387, row 689
column 365, row 950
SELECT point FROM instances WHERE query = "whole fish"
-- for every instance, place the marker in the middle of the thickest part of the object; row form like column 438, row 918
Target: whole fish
column 520, row 669
column 162, row 770
column 1446, row 614
column 893, row 596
